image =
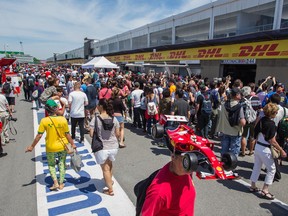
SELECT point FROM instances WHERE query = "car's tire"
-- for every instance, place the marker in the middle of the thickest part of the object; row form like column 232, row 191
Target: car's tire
column 190, row 162
column 157, row 131
column 229, row 161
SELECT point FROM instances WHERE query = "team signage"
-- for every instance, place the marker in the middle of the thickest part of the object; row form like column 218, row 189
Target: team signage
column 239, row 61
column 277, row 49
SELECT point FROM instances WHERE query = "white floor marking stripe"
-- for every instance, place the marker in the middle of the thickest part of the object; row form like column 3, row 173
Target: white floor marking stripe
column 82, row 194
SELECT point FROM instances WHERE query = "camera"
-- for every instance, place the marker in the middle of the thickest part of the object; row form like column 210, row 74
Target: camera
column 10, row 118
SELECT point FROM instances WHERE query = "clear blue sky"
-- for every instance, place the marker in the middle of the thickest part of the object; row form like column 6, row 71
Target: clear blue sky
column 55, row 26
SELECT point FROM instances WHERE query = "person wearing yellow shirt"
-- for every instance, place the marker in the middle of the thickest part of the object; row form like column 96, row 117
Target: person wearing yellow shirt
column 55, row 142
column 172, row 87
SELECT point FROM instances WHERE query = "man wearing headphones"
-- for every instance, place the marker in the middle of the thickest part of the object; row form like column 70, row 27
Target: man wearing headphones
column 172, row 191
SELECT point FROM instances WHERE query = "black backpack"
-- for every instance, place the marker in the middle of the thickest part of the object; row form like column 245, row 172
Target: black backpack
column 30, row 80
column 107, row 123
column 233, row 113
column 140, row 191
column 282, row 130
column 6, row 88
column 206, row 107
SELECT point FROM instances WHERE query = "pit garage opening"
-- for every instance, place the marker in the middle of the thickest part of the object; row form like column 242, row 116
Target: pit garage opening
column 244, row 69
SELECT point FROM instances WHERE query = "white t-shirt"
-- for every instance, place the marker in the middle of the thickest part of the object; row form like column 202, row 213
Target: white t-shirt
column 3, row 103
column 78, row 100
column 136, row 96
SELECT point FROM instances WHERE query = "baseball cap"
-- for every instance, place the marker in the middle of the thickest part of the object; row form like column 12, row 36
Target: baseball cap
column 280, row 85
column 203, row 88
column 137, row 84
column 51, row 103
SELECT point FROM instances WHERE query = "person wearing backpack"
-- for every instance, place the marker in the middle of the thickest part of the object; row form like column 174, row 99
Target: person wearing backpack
column 171, row 191
column 216, row 101
column 10, row 92
column 251, row 105
column 38, row 89
column 231, row 122
column 107, row 128
column 204, row 110
column 30, row 83
column 151, row 113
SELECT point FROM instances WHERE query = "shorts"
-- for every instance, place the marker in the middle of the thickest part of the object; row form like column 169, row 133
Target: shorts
column 249, row 128
column 120, row 119
column 102, row 155
column 11, row 100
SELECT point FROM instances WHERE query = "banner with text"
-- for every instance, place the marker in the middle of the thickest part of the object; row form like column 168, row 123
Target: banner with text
column 277, row 49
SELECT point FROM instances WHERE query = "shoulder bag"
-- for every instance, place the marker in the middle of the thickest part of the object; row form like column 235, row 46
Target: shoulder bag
column 67, row 146
column 97, row 144
column 76, row 161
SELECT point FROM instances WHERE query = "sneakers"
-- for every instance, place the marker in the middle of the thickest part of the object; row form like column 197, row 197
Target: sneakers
column 161, row 144
column 3, row 154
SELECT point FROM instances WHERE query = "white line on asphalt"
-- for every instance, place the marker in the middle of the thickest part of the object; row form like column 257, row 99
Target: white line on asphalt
column 275, row 201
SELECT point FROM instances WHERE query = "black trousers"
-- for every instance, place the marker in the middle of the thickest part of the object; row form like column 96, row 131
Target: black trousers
column 80, row 122
column 30, row 91
column 26, row 93
column 142, row 114
column 137, row 118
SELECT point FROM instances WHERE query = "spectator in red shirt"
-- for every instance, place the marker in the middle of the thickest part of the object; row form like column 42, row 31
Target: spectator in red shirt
column 105, row 92
column 172, row 191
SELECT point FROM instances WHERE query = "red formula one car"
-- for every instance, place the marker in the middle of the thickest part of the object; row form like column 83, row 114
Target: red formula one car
column 200, row 157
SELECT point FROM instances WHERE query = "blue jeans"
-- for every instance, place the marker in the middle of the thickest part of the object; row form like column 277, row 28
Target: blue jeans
column 230, row 144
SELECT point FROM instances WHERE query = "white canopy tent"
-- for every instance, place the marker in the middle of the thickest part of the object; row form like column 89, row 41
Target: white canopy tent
column 99, row 62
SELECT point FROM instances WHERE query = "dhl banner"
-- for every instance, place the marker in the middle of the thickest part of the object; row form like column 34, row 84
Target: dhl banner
column 277, row 49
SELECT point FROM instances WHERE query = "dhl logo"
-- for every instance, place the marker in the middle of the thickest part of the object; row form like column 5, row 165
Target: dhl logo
column 210, row 53
column 127, row 58
column 156, row 56
column 139, row 57
column 177, row 55
column 259, row 50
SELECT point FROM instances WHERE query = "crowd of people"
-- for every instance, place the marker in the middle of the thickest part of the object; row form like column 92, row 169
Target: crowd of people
column 221, row 109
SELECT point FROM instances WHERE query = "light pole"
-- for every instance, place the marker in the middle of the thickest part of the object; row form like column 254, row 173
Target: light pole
column 21, row 46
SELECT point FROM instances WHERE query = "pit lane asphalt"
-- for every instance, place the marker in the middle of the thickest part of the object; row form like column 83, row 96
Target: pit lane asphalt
column 133, row 163
column 214, row 197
